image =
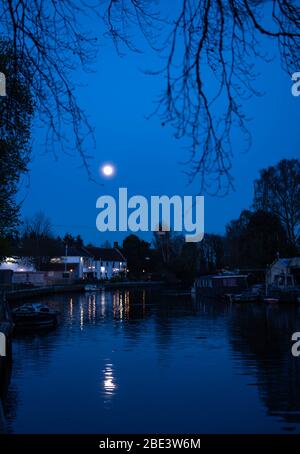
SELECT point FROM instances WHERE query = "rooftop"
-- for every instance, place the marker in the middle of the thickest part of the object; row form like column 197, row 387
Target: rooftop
column 106, row 254
column 289, row 262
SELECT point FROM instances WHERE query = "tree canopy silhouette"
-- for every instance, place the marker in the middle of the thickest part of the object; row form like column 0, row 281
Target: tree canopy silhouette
column 209, row 48
column 15, row 122
column 278, row 191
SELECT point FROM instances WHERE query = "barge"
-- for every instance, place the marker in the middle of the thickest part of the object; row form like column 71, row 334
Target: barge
column 218, row 285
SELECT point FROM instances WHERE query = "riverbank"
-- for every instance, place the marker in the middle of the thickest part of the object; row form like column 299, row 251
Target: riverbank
column 133, row 284
column 16, row 295
column 36, row 292
column 28, row 293
column 6, row 329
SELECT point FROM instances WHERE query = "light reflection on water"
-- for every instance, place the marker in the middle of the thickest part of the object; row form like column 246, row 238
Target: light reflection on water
column 147, row 361
column 109, row 381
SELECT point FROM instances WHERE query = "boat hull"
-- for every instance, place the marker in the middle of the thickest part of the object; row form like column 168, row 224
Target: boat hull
column 35, row 320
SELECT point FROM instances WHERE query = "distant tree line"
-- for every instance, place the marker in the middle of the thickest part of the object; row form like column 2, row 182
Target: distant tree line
column 36, row 240
column 269, row 228
column 43, row 44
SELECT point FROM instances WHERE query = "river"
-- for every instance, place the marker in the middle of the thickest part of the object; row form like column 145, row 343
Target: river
column 156, row 362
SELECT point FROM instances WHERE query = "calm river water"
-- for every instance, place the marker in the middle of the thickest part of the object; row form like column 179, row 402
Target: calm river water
column 154, row 362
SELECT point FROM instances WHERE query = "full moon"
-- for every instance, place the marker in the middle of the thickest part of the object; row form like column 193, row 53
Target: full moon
column 108, row 170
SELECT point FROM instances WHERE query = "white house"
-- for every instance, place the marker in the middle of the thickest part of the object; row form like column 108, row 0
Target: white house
column 284, row 272
column 107, row 262
column 71, row 262
column 76, row 261
column 67, row 262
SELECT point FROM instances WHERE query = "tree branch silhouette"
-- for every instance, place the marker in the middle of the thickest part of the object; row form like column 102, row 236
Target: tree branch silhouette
column 209, row 49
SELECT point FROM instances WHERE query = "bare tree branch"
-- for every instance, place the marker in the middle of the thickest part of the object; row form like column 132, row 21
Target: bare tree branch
column 50, row 38
column 210, row 48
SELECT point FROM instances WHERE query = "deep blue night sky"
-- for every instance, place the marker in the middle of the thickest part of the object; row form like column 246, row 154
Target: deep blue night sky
column 117, row 97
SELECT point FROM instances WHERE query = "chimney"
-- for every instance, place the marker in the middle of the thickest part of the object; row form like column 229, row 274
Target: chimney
column 116, row 245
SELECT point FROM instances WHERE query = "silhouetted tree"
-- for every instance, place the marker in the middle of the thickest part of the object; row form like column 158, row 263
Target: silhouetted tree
column 201, row 41
column 165, row 241
column 209, row 49
column 235, row 243
column 106, row 244
column 187, row 260
column 255, row 239
column 185, row 265
column 70, row 240
column 38, row 241
column 278, row 191
column 49, row 38
column 136, row 252
column 15, row 121
column 211, row 254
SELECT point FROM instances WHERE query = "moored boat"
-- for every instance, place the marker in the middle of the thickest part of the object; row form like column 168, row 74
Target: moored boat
column 287, row 295
column 34, row 315
column 253, row 294
column 90, row 288
column 270, row 300
column 244, row 298
column 218, row 285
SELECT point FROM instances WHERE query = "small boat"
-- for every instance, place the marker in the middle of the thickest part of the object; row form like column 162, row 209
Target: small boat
column 244, row 298
column 270, row 300
column 90, row 288
column 34, row 315
column 251, row 295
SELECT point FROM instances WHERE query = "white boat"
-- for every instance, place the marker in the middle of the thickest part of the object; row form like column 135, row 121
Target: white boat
column 90, row 288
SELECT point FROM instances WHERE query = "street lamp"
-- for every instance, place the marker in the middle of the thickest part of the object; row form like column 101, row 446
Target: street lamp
column 66, row 257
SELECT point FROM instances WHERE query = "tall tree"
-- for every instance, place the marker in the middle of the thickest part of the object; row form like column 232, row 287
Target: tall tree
column 51, row 39
column 211, row 253
column 185, row 264
column 235, row 234
column 278, row 191
column 136, row 252
column 254, row 240
column 38, row 241
column 15, row 122
column 70, row 240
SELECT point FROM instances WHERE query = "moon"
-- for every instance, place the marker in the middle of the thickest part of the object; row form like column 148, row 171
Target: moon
column 108, row 170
